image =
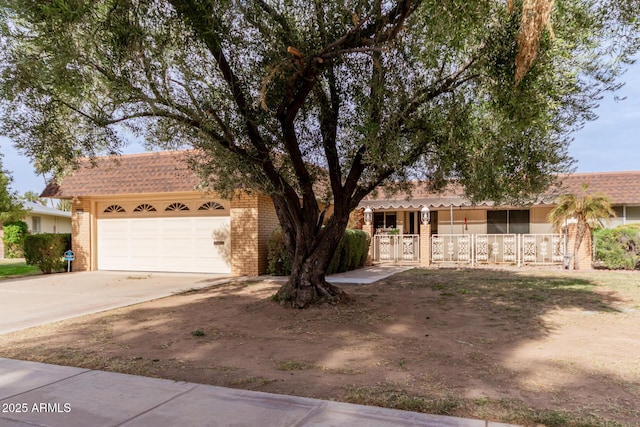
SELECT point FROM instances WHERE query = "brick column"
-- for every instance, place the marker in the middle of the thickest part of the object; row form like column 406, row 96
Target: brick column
column 584, row 260
column 244, row 236
column 369, row 230
column 81, row 219
column 425, row 245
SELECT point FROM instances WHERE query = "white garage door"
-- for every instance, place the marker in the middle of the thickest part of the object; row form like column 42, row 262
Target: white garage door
column 197, row 245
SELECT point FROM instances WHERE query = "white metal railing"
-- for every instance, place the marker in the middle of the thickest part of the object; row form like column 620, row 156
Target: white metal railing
column 451, row 248
column 396, row 247
column 498, row 248
column 543, row 248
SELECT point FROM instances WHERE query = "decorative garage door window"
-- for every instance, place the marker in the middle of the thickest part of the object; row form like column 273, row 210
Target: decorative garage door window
column 162, row 208
column 177, row 207
column 145, row 207
column 114, row 209
column 210, row 206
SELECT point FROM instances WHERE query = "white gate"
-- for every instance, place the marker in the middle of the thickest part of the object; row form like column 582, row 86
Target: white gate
column 396, row 247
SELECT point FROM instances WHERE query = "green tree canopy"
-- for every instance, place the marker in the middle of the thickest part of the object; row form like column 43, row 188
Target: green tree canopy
column 32, row 196
column 316, row 101
column 64, row 205
column 10, row 206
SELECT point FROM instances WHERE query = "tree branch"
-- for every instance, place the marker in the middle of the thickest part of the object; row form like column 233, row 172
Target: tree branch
column 329, row 129
column 204, row 25
column 275, row 16
column 362, row 36
column 340, row 52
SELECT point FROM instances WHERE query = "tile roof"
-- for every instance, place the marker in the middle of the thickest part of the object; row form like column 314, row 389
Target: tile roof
column 622, row 188
column 420, row 196
column 167, row 171
column 158, row 172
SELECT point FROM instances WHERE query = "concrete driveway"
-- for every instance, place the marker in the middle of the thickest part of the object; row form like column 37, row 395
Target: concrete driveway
column 33, row 301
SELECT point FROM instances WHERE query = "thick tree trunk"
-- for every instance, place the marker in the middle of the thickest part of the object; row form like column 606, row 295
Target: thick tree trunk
column 312, row 247
column 307, row 285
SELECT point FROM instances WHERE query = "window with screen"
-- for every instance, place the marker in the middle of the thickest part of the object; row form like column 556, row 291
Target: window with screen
column 508, row 222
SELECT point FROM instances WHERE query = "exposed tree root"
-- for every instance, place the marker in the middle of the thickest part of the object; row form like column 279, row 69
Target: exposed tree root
column 310, row 295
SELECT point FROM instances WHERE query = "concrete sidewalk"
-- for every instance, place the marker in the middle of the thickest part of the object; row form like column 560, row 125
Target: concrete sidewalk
column 361, row 276
column 368, row 275
column 36, row 394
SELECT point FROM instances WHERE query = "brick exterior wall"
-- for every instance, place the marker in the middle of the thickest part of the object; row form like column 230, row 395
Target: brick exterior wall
column 268, row 221
column 425, row 243
column 368, row 228
column 253, row 218
column 81, row 235
column 244, row 236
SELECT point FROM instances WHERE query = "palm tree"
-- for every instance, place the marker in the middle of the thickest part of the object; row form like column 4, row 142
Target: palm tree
column 588, row 210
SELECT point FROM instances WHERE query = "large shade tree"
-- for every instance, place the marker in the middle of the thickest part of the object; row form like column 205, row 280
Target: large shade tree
column 316, row 103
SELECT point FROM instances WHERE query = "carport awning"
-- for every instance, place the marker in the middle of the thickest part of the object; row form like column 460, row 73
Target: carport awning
column 419, row 203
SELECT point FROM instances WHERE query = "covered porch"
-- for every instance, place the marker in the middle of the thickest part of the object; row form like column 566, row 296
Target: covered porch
column 450, row 230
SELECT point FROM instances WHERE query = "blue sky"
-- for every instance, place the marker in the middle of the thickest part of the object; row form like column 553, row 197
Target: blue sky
column 610, row 143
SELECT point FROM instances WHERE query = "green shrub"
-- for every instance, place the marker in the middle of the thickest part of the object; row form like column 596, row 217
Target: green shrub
column 619, row 248
column 350, row 254
column 46, row 251
column 13, row 238
column 279, row 261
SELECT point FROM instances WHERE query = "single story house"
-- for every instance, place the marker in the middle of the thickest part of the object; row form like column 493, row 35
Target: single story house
column 42, row 219
column 143, row 212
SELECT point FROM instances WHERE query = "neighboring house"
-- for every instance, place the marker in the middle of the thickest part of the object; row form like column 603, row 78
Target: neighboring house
column 142, row 212
column 42, row 219
column 459, row 231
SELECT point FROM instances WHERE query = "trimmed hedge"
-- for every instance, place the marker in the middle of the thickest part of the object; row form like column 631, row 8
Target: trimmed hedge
column 619, row 248
column 45, row 251
column 350, row 254
column 279, row 262
column 13, row 238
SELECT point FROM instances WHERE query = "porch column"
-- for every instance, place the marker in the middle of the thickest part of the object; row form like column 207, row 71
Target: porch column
column 368, row 228
column 425, row 244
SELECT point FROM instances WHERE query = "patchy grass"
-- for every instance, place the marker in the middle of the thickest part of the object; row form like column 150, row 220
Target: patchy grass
column 291, row 365
column 250, row 381
column 515, row 411
column 440, row 400
column 398, row 395
column 522, row 294
column 16, row 267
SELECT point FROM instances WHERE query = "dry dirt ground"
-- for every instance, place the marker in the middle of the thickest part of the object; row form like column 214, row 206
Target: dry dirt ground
column 549, row 348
